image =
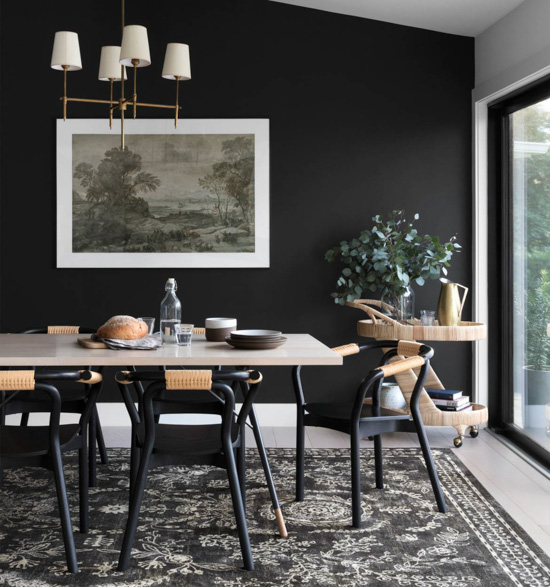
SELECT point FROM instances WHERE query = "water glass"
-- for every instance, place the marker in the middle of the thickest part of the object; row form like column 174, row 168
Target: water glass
column 427, row 317
column 184, row 334
column 150, row 324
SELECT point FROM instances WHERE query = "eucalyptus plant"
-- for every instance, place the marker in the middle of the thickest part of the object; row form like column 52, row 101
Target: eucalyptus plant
column 388, row 258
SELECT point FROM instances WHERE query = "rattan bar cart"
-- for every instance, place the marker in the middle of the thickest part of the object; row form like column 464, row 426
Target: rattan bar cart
column 382, row 327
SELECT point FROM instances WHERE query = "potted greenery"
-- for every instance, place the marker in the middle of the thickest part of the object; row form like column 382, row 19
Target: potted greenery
column 389, row 258
column 538, row 341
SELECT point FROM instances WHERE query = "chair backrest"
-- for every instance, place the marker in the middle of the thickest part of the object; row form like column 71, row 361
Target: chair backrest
column 408, row 378
column 169, row 384
column 400, row 357
column 21, row 385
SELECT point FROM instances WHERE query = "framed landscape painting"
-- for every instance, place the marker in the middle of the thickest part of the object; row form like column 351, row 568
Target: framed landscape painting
column 195, row 196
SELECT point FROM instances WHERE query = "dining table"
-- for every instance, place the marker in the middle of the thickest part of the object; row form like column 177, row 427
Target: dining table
column 54, row 350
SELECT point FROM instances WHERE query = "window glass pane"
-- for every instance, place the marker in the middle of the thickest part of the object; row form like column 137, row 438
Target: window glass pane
column 530, row 279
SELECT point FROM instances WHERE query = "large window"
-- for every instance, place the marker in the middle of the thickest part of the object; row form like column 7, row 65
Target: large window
column 522, row 207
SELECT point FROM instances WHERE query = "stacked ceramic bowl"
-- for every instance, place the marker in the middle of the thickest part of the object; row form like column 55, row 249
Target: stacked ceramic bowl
column 255, row 339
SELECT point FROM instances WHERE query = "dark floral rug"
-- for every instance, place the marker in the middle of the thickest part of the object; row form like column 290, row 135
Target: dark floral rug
column 187, row 534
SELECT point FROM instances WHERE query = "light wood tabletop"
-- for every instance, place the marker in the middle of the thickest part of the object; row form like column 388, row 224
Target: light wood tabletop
column 18, row 350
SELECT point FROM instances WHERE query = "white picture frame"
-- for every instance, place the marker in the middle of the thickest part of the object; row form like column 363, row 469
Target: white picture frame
column 230, row 247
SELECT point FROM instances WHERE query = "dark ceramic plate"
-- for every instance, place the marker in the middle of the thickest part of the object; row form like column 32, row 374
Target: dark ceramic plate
column 255, row 345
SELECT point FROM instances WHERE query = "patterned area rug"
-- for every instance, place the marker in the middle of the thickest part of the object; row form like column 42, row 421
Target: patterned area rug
column 187, row 535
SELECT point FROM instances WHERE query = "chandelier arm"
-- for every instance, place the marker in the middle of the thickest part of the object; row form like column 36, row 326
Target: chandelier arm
column 148, row 105
column 89, row 100
column 116, row 103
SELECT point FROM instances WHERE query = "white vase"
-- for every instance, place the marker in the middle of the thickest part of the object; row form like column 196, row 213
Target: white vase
column 391, row 397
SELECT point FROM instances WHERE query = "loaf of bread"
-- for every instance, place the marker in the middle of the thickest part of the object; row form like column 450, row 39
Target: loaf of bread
column 123, row 328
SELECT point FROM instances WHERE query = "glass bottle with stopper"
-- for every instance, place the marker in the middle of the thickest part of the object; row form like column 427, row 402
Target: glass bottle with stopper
column 170, row 312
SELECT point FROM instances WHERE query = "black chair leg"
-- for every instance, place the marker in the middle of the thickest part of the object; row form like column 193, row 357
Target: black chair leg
column 300, row 433
column 92, row 449
column 25, row 419
column 135, row 506
column 83, row 484
column 237, row 504
column 64, row 513
column 379, row 462
column 300, row 454
column 267, row 471
column 430, row 465
column 101, row 442
column 355, row 478
column 134, row 465
column 241, row 464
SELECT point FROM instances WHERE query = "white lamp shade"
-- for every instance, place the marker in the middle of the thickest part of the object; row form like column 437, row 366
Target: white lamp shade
column 135, row 46
column 66, row 51
column 176, row 62
column 109, row 64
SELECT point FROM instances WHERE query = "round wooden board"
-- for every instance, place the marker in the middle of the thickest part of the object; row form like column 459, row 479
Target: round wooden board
column 465, row 331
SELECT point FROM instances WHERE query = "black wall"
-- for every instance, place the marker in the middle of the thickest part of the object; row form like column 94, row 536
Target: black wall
column 365, row 117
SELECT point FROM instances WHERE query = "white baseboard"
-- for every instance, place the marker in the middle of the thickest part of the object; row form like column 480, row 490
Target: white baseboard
column 114, row 415
column 115, row 421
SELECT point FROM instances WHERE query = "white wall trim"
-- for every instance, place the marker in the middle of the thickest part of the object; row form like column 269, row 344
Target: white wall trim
column 480, row 252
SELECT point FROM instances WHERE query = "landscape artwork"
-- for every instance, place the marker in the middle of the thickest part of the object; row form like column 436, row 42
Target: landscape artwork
column 190, row 197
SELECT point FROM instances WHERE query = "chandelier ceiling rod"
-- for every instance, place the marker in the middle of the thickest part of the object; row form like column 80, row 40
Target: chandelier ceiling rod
column 134, row 51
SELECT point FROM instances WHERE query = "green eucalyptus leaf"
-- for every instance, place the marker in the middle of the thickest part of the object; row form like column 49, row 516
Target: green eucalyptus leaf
column 388, row 257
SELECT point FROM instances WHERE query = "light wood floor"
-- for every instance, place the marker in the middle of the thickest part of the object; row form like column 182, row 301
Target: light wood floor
column 520, row 489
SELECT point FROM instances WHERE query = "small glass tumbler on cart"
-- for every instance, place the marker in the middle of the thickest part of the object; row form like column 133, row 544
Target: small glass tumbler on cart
column 427, row 317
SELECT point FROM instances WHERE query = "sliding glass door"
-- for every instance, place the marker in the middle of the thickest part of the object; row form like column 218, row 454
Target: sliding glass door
column 524, row 272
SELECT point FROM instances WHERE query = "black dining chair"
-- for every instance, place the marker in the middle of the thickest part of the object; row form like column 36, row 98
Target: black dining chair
column 366, row 419
column 155, row 444
column 73, row 401
column 42, row 446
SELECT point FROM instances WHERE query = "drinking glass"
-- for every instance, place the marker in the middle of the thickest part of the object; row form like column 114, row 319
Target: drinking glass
column 150, row 324
column 427, row 317
column 184, row 334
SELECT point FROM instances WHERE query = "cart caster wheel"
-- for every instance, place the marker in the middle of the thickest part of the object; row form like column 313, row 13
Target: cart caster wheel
column 458, row 441
column 474, row 431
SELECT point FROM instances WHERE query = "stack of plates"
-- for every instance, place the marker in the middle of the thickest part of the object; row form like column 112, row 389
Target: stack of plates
column 255, row 339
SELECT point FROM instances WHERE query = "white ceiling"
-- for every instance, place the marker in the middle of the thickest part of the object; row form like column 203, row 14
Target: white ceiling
column 458, row 17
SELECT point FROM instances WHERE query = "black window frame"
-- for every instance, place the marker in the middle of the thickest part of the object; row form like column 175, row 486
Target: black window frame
column 500, row 209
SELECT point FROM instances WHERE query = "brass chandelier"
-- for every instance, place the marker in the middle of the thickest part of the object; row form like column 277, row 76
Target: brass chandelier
column 133, row 52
